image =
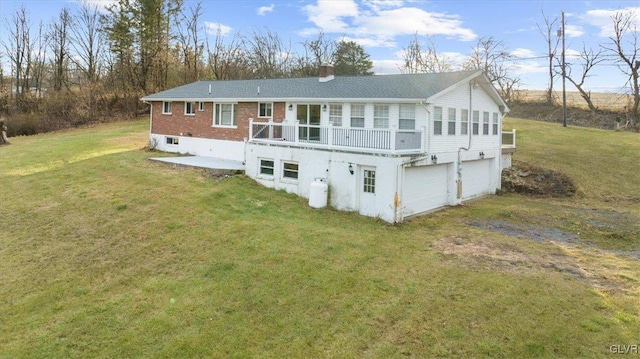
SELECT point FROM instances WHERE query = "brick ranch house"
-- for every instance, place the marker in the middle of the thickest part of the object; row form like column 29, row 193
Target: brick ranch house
column 387, row 146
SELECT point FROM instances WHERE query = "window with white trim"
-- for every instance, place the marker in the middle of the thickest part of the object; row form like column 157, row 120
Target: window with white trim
column 357, row 115
column 166, row 107
column 201, row 106
column 265, row 109
column 485, row 123
column 495, row 123
column 189, row 108
column 225, row 114
column 451, row 130
column 172, row 140
column 335, row 114
column 437, row 120
column 290, row 170
column 407, row 118
column 369, row 181
column 476, row 122
column 464, row 121
column 381, row 116
column 266, row 167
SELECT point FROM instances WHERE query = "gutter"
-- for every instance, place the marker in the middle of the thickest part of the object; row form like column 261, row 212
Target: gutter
column 397, row 198
column 469, row 132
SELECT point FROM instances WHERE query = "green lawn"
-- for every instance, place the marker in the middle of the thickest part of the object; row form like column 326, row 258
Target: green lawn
column 106, row 254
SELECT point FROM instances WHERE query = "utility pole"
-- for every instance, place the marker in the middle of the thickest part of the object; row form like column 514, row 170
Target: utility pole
column 564, row 77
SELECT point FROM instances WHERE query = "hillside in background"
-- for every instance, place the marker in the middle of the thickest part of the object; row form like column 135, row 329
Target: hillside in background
column 531, row 104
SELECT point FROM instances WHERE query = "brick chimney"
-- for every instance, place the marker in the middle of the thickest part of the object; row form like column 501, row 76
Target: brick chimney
column 326, row 72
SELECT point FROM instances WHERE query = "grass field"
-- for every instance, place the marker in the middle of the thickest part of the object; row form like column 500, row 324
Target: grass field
column 602, row 100
column 106, row 254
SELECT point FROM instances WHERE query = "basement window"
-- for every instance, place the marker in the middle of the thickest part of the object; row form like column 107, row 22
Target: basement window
column 266, row 167
column 290, row 170
column 172, row 140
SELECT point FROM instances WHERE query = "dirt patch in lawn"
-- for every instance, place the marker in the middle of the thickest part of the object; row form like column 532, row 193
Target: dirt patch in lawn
column 536, row 181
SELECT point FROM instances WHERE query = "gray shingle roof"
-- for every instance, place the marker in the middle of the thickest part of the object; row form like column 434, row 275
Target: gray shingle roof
column 401, row 86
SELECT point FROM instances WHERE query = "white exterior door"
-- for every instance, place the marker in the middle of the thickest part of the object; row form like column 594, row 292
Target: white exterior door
column 424, row 189
column 367, row 190
column 476, row 178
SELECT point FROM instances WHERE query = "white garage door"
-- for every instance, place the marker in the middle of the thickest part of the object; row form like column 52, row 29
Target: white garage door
column 476, row 178
column 424, row 189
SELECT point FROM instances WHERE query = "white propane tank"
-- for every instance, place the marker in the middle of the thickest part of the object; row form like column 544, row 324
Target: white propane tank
column 318, row 193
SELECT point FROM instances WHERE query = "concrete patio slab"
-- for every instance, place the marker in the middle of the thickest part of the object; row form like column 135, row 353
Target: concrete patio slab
column 202, row 162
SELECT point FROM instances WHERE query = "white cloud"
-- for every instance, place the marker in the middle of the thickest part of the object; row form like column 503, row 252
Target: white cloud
column 215, row 27
column 601, row 18
column 523, row 53
column 379, row 22
column 263, row 10
column 573, row 30
column 387, row 67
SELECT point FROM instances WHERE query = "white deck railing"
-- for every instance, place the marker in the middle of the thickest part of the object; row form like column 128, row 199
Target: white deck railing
column 509, row 139
column 346, row 138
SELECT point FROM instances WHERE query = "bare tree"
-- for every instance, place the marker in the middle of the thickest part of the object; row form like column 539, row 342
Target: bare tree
column 624, row 44
column 18, row 49
column 550, row 36
column 268, row 55
column 316, row 52
column 87, row 41
column 191, row 46
column 58, row 38
column 417, row 59
column 492, row 57
column 588, row 59
column 227, row 61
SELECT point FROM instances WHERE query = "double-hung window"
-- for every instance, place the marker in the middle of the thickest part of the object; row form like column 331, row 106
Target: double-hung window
column 225, row 114
column 335, row 114
column 189, row 108
column 166, row 107
column 200, row 106
column 437, row 120
column 451, row 130
column 476, row 122
column 485, row 123
column 357, row 115
column 381, row 116
column 495, row 123
column 265, row 109
column 464, row 122
column 407, row 118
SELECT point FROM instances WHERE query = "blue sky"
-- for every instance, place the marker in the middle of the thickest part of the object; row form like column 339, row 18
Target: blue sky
column 384, row 27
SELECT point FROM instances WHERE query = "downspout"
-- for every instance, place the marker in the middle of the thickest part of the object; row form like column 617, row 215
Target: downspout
column 469, row 127
column 396, row 198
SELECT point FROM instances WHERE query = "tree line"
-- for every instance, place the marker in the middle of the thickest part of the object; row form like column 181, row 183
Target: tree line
column 92, row 65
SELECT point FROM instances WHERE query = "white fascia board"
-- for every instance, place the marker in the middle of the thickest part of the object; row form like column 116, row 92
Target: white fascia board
column 300, row 100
